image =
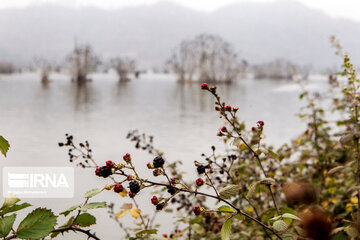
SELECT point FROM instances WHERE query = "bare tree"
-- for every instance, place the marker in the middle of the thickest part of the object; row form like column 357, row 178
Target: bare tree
column 123, row 67
column 206, row 58
column 277, row 69
column 82, row 62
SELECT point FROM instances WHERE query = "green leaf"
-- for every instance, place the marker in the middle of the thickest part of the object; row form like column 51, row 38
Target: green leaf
column 226, row 209
column 226, row 230
column 85, row 220
column 4, row 146
column 93, row 205
column 14, row 208
column 37, row 224
column 291, row 216
column 198, row 228
column 5, row 225
column 67, row 212
column 229, row 191
column 280, row 226
column 252, row 190
column 93, row 192
column 9, row 201
column 267, row 181
column 148, row 231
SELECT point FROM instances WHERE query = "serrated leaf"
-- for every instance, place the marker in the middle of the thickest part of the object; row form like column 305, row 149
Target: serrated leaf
column 267, row 181
column 226, row 230
column 93, row 205
column 9, row 201
column 6, row 224
column 4, row 146
column 135, row 213
column 229, row 191
column 198, row 228
column 93, row 193
column 148, row 231
column 346, row 139
column 252, row 190
column 85, row 220
column 68, row 211
column 14, row 208
column 121, row 213
column 280, row 226
column 335, row 170
column 37, row 224
column 291, row 216
column 226, row 209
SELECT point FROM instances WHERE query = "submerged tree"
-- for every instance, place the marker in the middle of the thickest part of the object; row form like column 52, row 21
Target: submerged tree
column 123, row 67
column 82, row 62
column 45, row 69
column 206, row 58
column 277, row 69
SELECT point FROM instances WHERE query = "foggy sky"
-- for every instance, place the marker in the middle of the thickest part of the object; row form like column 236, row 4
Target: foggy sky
column 337, row 8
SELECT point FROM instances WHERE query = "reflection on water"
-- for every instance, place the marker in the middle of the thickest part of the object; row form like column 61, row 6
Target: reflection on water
column 35, row 117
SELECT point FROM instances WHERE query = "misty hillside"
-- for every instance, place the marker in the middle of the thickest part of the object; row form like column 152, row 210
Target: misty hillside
column 260, row 31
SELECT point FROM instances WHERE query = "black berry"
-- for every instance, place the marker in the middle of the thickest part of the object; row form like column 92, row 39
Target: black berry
column 103, row 171
column 134, row 186
column 158, row 162
column 201, row 169
column 171, row 190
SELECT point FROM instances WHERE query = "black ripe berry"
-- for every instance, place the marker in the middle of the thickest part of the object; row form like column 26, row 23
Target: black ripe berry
column 158, row 162
column 160, row 206
column 201, row 169
column 134, row 186
column 171, row 190
column 103, row 171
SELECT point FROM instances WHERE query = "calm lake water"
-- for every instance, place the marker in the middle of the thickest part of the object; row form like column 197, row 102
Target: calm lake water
column 34, row 118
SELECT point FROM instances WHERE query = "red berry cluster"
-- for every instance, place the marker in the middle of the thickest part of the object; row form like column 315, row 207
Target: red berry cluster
column 154, row 200
column 199, row 182
column 197, row 210
column 118, row 188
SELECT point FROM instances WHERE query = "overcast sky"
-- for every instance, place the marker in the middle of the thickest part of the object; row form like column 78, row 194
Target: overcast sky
column 338, row 8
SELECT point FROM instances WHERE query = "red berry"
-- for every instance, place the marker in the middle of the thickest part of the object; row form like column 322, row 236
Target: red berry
column 118, row 188
column 253, row 129
column 173, row 180
column 149, row 165
column 224, row 129
column 217, row 108
column 110, row 164
column 199, row 182
column 97, row 171
column 204, row 86
column 127, row 157
column 197, row 210
column 228, row 108
column 154, row 200
column 165, row 235
column 260, row 123
column 156, row 172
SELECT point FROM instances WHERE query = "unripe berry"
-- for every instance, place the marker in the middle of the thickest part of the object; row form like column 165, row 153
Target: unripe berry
column 173, row 180
column 197, row 210
column 154, row 200
column 199, row 182
column 217, row 108
column 132, row 195
column 118, row 188
column 127, row 158
column 150, row 165
column 156, row 172
column 130, row 177
column 108, row 187
column 204, row 86
column 260, row 123
column 110, row 164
